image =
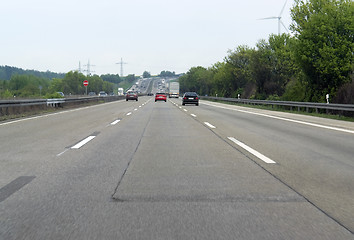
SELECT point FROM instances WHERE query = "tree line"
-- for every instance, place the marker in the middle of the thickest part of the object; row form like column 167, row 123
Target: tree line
column 315, row 61
column 6, row 72
column 16, row 82
column 31, row 86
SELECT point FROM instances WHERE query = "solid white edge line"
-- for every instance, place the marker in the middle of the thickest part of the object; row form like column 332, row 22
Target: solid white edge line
column 286, row 119
column 209, row 125
column 252, row 151
column 83, row 142
column 193, row 115
column 129, row 113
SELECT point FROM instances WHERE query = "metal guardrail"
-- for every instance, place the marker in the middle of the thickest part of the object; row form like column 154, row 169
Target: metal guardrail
column 5, row 105
column 29, row 102
column 55, row 102
column 298, row 105
column 8, row 107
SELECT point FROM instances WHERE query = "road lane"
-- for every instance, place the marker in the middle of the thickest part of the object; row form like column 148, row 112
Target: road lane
column 26, row 144
column 316, row 162
column 157, row 174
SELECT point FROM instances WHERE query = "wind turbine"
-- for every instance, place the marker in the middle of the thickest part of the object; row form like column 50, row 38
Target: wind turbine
column 279, row 19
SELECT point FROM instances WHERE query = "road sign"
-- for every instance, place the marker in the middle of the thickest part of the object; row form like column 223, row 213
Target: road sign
column 85, row 83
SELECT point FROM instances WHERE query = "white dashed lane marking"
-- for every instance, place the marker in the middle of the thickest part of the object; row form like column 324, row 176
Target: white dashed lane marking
column 83, row 142
column 115, row 122
column 209, row 125
column 252, row 151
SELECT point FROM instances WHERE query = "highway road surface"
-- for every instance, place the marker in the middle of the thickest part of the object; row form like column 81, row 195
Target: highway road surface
column 146, row 170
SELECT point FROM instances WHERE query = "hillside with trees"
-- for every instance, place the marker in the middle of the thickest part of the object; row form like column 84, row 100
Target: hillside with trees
column 6, row 72
column 30, row 86
column 316, row 61
column 16, row 82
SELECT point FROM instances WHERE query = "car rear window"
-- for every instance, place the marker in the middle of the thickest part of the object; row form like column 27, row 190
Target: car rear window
column 191, row 94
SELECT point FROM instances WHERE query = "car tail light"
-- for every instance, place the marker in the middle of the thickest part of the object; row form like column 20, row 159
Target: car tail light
column 196, row 98
column 185, row 98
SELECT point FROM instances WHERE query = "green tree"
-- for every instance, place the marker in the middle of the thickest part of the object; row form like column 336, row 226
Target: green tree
column 325, row 46
column 95, row 84
column 195, row 80
column 108, row 87
column 56, row 85
column 28, row 85
column 239, row 62
column 167, row 74
column 261, row 69
column 146, row 74
column 113, row 78
column 72, row 83
column 130, row 78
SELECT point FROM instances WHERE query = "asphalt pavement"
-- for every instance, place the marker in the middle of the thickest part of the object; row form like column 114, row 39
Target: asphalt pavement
column 146, row 170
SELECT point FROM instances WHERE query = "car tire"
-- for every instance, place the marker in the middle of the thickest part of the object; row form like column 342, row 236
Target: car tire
column 126, row 100
column 197, row 104
column 183, row 104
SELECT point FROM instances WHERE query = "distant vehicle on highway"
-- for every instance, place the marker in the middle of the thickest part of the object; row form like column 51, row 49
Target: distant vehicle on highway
column 102, row 94
column 120, row 91
column 160, row 96
column 61, row 94
column 174, row 89
column 190, row 98
column 131, row 96
column 92, row 94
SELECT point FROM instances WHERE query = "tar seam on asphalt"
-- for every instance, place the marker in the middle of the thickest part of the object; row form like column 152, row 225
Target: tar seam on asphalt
column 14, row 186
column 116, row 199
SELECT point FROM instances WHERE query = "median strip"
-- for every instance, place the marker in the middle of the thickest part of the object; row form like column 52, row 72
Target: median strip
column 252, row 151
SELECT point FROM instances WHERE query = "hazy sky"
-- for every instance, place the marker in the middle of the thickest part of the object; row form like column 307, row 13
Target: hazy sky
column 150, row 35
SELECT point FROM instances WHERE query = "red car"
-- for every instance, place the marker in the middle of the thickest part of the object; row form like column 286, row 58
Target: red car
column 160, row 97
column 131, row 96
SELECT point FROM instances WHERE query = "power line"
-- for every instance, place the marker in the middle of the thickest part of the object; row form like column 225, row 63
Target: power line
column 88, row 70
column 121, row 66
